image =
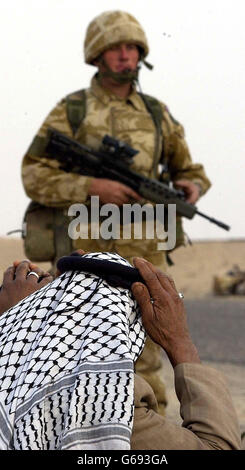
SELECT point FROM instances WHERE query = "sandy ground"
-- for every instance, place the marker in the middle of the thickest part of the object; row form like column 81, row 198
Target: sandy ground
column 196, row 265
column 193, row 271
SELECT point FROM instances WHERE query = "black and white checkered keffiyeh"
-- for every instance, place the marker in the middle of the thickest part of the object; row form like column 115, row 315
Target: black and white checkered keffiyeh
column 67, row 356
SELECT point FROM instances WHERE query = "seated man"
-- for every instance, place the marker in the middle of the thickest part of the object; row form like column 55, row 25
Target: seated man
column 67, row 361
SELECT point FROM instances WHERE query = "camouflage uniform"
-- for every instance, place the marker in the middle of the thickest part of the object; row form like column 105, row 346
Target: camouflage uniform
column 128, row 120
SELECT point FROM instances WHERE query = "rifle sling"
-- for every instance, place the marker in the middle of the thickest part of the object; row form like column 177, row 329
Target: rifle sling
column 154, row 108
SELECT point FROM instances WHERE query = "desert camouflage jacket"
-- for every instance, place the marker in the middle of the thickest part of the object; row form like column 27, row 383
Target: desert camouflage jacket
column 125, row 119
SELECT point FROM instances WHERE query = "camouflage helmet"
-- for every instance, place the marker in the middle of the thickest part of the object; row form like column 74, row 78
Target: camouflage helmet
column 110, row 28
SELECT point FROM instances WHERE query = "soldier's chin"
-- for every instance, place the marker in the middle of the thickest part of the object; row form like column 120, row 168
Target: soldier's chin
column 125, row 71
column 126, row 75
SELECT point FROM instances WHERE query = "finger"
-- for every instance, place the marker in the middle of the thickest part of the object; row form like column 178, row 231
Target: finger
column 22, row 269
column 184, row 186
column 80, row 252
column 132, row 194
column 155, row 280
column 165, row 280
column 77, row 252
column 36, row 268
column 171, row 281
column 183, row 183
column 191, row 199
column 9, row 274
column 142, row 297
column 31, row 278
column 17, row 262
column 139, row 291
column 193, row 195
column 161, row 287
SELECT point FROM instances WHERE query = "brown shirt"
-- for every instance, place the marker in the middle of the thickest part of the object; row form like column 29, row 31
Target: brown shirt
column 209, row 418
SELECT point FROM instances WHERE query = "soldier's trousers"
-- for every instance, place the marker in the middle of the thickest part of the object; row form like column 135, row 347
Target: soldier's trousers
column 150, row 363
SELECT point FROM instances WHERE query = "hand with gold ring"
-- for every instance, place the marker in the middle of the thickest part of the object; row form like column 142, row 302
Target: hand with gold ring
column 20, row 280
column 163, row 313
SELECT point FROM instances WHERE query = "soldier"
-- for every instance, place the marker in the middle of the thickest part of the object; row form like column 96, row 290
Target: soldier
column 115, row 43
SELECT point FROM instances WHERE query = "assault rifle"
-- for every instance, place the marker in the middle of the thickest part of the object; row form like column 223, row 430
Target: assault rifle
column 112, row 161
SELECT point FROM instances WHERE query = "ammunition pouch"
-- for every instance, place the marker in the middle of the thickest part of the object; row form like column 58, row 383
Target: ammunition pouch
column 45, row 232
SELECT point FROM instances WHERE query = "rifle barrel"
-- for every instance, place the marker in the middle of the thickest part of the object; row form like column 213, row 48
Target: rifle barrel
column 214, row 221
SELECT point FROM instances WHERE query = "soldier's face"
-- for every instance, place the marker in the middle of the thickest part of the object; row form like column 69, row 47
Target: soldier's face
column 122, row 57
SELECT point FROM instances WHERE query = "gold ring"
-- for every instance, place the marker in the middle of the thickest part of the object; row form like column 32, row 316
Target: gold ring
column 34, row 274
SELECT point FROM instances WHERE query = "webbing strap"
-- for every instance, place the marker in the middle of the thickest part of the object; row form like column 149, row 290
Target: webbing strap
column 38, row 146
column 154, row 108
column 63, row 243
column 76, row 109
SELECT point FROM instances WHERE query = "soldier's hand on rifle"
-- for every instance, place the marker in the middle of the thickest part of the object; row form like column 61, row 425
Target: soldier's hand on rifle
column 191, row 190
column 112, row 192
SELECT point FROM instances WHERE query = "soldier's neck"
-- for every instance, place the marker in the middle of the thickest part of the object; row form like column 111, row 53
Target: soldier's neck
column 118, row 89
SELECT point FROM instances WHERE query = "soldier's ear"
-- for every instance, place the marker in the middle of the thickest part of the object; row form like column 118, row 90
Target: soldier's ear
column 97, row 61
column 141, row 52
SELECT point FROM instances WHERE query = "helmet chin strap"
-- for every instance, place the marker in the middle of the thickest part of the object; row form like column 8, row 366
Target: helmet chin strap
column 148, row 65
column 126, row 76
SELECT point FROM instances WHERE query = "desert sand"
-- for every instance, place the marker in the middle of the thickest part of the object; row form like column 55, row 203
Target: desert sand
column 196, row 265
